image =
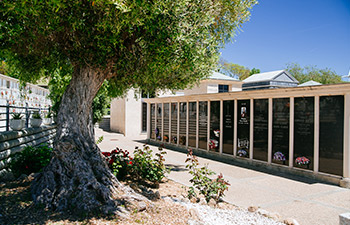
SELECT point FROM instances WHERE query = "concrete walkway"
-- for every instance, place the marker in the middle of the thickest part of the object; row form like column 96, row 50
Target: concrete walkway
column 308, row 203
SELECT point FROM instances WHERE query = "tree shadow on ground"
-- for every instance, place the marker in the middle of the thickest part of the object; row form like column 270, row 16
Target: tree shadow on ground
column 176, row 168
column 17, row 207
column 261, row 167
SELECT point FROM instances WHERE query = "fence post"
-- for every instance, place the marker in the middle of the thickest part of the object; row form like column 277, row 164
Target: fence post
column 7, row 115
column 27, row 115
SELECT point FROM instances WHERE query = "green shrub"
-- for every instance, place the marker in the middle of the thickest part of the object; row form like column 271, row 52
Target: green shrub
column 144, row 166
column 30, row 160
column 148, row 168
column 208, row 187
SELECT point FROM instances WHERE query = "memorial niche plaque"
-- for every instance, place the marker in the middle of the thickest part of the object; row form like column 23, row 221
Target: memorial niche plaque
column 304, row 132
column 203, row 126
column 229, row 109
column 166, row 122
column 192, row 124
column 243, row 128
column 182, row 128
column 153, row 121
column 331, row 134
column 159, row 122
column 280, row 131
column 173, row 109
column 214, row 141
column 261, row 116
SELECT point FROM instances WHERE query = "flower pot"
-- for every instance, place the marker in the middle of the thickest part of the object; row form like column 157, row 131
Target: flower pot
column 35, row 122
column 47, row 121
column 17, row 124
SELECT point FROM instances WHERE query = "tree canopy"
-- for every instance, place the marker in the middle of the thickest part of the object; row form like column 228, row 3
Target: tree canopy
column 237, row 71
column 323, row 76
column 147, row 44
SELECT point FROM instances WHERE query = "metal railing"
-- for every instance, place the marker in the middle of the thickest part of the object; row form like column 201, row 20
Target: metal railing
column 5, row 115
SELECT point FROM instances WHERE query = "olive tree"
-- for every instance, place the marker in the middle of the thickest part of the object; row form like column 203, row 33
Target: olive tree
column 163, row 44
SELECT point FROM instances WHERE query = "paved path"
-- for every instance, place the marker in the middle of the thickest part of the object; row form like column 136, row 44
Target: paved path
column 308, row 203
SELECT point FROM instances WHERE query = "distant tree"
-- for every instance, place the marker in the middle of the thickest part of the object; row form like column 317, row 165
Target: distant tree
column 165, row 44
column 234, row 70
column 254, row 71
column 323, row 76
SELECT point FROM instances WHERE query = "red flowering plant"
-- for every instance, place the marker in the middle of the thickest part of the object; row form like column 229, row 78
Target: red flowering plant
column 119, row 162
column 145, row 165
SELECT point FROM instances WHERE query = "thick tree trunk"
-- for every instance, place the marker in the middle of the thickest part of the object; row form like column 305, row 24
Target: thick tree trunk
column 77, row 177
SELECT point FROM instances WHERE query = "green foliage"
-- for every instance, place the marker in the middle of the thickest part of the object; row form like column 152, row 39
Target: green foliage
column 254, row 71
column 147, row 167
column 210, row 188
column 323, row 76
column 143, row 44
column 17, row 116
column 237, row 71
column 144, row 166
column 99, row 140
column 30, row 160
column 36, row 115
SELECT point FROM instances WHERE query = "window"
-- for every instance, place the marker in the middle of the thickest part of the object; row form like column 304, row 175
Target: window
column 223, row 88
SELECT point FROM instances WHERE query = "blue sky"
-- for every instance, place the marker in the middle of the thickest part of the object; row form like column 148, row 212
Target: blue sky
column 307, row 32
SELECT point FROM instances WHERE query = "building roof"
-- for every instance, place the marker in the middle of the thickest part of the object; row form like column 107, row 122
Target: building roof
column 269, row 76
column 309, row 83
column 220, row 76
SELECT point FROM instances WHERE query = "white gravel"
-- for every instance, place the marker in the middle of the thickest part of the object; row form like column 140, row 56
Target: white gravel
column 216, row 216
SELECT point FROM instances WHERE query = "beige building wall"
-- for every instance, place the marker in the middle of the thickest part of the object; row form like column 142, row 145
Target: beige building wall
column 117, row 122
column 126, row 115
column 205, row 86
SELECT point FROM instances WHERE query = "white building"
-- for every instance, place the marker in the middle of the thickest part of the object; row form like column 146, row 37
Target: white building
column 129, row 114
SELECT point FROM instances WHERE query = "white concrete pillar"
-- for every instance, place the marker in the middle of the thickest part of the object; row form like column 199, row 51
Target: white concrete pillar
column 235, row 128
column 316, row 133
column 291, row 131
column 187, row 123
column 155, row 118
column 162, row 114
column 269, row 148
column 148, row 121
column 208, row 128
column 251, row 130
column 197, row 124
column 169, row 122
column 221, row 125
column 178, row 124
column 346, row 162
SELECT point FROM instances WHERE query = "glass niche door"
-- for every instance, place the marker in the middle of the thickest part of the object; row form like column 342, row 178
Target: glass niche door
column 261, row 111
column 331, row 134
column 214, row 141
column 183, row 126
column 304, row 112
column 153, row 121
column 173, row 114
column 166, row 122
column 192, row 124
column 203, row 125
column 280, row 131
column 158, row 129
column 228, row 126
column 243, row 128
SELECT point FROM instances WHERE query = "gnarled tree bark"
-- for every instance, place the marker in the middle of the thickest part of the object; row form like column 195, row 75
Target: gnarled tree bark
column 77, row 176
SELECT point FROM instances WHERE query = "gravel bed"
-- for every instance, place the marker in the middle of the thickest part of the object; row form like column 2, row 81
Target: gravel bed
column 215, row 216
